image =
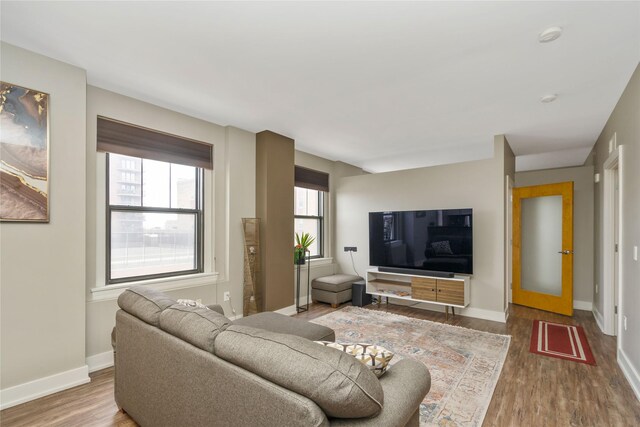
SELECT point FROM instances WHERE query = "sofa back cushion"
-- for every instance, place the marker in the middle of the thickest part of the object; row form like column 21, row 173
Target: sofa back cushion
column 144, row 303
column 197, row 326
column 342, row 386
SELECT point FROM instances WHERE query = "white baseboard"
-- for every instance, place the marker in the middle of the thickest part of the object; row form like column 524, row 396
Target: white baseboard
column 100, row 361
column 31, row 390
column 599, row 318
column 582, row 305
column 287, row 311
column 478, row 313
column 630, row 372
column 481, row 313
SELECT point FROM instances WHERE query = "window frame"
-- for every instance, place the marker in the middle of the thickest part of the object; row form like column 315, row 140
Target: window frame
column 319, row 217
column 198, row 210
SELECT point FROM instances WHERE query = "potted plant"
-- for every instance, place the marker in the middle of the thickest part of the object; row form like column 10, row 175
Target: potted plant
column 303, row 241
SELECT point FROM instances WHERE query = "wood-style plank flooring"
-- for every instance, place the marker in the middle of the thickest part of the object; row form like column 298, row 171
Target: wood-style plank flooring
column 533, row 390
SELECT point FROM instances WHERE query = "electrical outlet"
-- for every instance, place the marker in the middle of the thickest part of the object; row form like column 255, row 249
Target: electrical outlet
column 227, row 296
column 625, row 322
column 596, row 288
column 351, row 249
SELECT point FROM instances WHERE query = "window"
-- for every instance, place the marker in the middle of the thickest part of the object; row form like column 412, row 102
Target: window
column 154, row 219
column 309, row 216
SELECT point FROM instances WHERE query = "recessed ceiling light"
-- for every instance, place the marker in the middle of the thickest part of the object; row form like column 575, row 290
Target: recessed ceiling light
column 550, row 34
column 548, row 98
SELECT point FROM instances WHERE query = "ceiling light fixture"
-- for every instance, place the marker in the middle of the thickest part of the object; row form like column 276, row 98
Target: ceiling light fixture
column 548, row 98
column 550, row 34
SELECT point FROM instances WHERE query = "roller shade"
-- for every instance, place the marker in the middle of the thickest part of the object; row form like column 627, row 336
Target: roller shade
column 131, row 140
column 312, row 179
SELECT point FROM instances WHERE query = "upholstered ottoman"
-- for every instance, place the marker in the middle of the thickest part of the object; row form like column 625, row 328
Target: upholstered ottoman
column 334, row 289
column 279, row 323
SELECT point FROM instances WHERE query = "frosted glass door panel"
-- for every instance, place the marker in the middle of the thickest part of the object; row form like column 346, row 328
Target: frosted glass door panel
column 541, row 241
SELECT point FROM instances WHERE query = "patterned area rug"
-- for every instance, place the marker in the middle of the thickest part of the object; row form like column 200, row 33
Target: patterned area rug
column 465, row 364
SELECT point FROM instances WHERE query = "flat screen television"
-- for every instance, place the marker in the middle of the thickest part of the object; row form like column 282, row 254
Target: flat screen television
column 439, row 241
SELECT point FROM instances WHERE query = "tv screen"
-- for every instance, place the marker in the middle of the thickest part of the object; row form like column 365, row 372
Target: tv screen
column 432, row 240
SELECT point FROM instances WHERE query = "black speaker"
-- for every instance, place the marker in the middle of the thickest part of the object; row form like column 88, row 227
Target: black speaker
column 359, row 296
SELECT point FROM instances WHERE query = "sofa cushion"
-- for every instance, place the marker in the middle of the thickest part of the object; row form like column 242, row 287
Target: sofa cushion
column 282, row 324
column 374, row 357
column 195, row 325
column 335, row 283
column 144, row 303
column 339, row 384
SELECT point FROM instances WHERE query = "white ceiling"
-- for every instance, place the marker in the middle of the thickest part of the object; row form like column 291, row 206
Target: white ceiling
column 385, row 86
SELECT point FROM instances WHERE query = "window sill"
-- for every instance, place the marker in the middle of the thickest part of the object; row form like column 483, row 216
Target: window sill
column 111, row 292
column 315, row 262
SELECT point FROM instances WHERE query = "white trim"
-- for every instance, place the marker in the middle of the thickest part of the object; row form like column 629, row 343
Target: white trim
column 582, row 305
column 614, row 161
column 287, row 311
column 100, row 361
column 598, row 317
column 478, row 313
column 316, row 262
column 506, row 314
column 31, row 390
column 630, row 372
column 110, row 292
column 481, row 313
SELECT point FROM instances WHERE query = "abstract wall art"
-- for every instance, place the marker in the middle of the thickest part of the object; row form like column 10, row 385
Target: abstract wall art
column 24, row 154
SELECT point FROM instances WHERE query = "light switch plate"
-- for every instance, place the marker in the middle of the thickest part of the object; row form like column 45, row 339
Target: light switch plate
column 635, row 253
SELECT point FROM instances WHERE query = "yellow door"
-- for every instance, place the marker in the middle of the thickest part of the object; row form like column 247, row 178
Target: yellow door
column 543, row 247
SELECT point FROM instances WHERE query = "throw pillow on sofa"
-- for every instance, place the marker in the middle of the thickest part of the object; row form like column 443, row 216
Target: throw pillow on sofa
column 373, row 356
column 192, row 303
column 341, row 386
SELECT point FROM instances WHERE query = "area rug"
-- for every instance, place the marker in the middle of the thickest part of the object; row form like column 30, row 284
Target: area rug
column 562, row 341
column 465, row 364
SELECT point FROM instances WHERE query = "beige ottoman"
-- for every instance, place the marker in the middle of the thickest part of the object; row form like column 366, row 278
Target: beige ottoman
column 334, row 289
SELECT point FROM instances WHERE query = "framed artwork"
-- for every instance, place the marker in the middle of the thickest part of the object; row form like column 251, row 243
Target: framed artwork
column 24, row 154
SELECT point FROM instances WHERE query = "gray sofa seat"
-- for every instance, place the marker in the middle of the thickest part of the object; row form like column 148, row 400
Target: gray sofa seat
column 194, row 367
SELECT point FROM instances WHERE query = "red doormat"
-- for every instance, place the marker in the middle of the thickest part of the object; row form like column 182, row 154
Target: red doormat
column 562, row 341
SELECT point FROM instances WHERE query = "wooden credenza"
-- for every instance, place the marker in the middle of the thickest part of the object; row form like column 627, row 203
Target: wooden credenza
column 450, row 292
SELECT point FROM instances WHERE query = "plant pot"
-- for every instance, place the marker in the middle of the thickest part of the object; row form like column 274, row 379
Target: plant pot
column 300, row 261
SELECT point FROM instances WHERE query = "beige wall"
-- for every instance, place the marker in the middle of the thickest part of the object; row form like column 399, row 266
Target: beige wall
column 42, row 266
column 477, row 184
column 336, row 171
column 583, row 224
column 625, row 123
column 230, row 191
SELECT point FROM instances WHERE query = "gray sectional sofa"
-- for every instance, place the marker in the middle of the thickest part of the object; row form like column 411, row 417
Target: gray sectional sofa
column 184, row 366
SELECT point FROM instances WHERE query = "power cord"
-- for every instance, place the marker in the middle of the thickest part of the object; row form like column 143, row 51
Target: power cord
column 353, row 264
column 233, row 310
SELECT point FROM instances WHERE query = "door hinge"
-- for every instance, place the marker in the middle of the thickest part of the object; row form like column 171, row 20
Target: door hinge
column 616, row 247
column 615, row 311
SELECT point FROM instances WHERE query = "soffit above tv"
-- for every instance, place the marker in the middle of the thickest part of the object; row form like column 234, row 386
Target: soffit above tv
column 382, row 85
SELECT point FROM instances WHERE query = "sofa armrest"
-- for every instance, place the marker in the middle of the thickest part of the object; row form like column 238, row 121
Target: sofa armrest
column 216, row 307
column 405, row 385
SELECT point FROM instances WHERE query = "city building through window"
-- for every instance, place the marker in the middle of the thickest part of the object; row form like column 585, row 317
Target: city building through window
column 309, row 217
column 154, row 219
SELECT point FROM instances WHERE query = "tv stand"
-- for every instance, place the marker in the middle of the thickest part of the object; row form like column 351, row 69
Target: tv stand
column 414, row 286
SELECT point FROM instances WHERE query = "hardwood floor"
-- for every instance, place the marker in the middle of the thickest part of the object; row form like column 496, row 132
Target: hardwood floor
column 533, row 390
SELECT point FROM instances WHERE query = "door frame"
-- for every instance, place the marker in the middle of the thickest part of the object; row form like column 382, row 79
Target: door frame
column 613, row 162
